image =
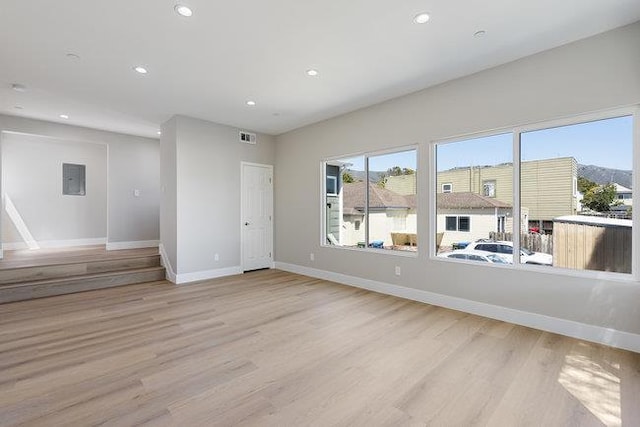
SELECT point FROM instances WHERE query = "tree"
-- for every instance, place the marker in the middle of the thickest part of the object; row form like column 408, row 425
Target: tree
column 393, row 171
column 397, row 171
column 585, row 184
column 347, row 177
column 600, row 197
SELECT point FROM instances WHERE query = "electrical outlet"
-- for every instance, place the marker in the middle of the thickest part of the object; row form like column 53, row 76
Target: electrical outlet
column 216, row 257
column 312, row 256
column 397, row 270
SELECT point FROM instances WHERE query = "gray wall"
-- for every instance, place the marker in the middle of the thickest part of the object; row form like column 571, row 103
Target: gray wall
column 133, row 163
column 169, row 195
column 32, row 167
column 601, row 72
column 207, row 160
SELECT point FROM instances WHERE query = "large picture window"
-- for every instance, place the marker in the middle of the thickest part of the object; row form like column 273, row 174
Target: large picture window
column 575, row 188
column 590, row 230
column 374, row 202
column 468, row 173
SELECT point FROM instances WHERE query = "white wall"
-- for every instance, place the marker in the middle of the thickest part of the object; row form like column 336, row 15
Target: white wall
column 133, row 163
column 482, row 221
column 206, row 195
column 601, row 72
column 32, row 168
column 381, row 225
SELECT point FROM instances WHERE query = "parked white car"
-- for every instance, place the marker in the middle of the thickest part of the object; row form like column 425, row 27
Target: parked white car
column 473, row 255
column 505, row 249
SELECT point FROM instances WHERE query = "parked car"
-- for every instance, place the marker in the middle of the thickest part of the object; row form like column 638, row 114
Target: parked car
column 473, row 255
column 505, row 249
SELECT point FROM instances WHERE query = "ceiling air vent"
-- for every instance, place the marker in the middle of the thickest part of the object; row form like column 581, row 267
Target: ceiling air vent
column 248, row 138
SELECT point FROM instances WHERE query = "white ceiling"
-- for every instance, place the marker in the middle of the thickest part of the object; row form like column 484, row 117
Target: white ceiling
column 228, row 52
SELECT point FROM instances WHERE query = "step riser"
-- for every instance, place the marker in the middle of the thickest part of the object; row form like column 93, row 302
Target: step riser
column 46, row 272
column 80, row 284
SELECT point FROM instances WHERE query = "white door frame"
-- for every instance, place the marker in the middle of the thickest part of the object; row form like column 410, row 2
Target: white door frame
column 242, row 227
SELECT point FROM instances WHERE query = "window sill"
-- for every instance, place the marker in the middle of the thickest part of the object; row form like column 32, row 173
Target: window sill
column 557, row 271
column 402, row 253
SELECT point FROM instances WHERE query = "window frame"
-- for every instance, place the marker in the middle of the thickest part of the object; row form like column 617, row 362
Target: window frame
column 335, row 185
column 468, row 217
column 450, row 190
column 446, row 223
column 457, row 223
column 516, row 131
column 366, row 155
column 485, row 183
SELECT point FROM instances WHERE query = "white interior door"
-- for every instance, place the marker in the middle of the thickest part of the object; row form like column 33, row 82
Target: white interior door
column 257, row 216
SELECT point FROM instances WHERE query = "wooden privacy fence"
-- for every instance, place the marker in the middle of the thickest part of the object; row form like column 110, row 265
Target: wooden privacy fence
column 602, row 247
column 533, row 242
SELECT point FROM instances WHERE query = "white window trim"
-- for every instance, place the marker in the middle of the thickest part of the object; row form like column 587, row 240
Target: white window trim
column 516, row 131
column 450, row 187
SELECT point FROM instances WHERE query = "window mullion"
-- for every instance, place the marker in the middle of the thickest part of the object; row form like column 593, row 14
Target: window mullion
column 366, row 200
column 635, row 218
column 517, row 218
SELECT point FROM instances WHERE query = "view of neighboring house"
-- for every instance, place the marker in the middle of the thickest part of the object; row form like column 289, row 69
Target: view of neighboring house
column 624, row 195
column 549, row 186
column 471, row 202
column 389, row 212
column 402, row 184
column 466, row 217
column 462, row 217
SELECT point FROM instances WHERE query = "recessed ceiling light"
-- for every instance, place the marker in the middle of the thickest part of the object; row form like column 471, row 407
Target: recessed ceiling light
column 140, row 69
column 73, row 56
column 183, row 10
column 159, row 133
column 479, row 33
column 251, row 103
column 312, row 72
column 64, row 116
column 19, row 87
column 421, row 18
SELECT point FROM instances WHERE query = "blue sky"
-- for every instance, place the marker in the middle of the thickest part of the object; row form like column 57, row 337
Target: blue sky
column 607, row 143
column 404, row 159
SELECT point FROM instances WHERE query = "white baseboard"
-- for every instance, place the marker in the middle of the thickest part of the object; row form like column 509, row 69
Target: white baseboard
column 597, row 334
column 164, row 260
column 136, row 244
column 207, row 274
column 48, row 244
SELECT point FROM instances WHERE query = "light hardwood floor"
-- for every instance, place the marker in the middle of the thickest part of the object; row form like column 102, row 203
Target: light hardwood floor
column 29, row 274
column 57, row 256
column 270, row 348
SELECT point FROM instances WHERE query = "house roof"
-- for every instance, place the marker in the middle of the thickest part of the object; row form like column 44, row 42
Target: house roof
column 621, row 188
column 468, row 201
column 354, row 197
column 379, row 197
